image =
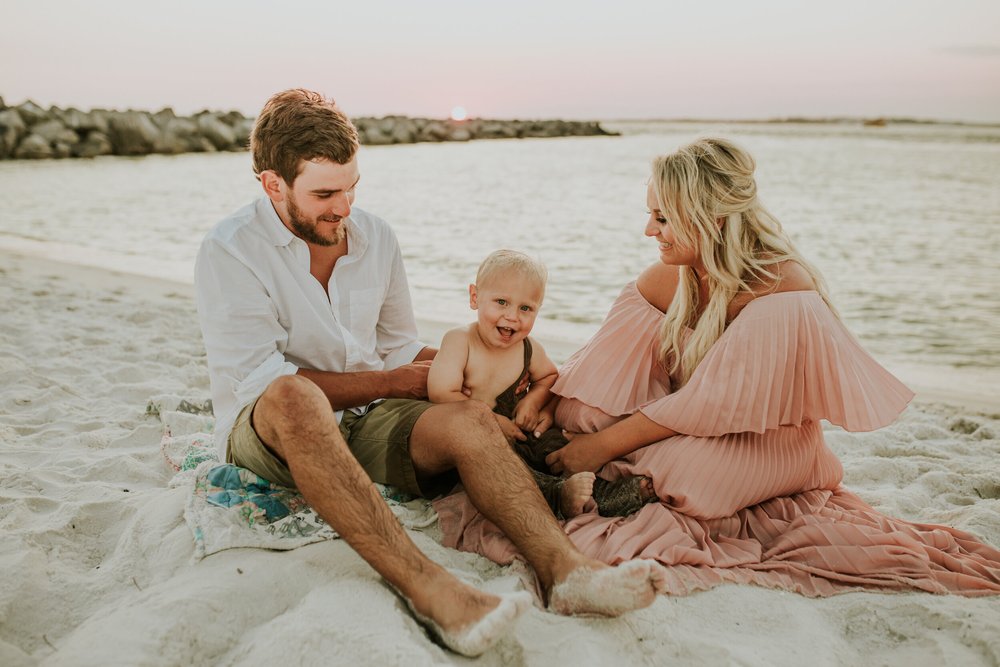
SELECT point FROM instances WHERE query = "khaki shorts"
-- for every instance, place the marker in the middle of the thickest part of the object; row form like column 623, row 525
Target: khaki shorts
column 379, row 440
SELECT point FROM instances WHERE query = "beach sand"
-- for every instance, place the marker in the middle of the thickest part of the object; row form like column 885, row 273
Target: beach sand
column 96, row 560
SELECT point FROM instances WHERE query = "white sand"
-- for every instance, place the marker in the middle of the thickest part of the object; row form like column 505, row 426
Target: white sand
column 95, row 560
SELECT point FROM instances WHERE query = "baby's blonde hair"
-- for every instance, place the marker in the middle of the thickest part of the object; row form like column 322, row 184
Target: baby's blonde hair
column 695, row 186
column 501, row 261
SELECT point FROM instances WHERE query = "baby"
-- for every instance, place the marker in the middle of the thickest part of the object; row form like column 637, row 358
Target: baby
column 495, row 362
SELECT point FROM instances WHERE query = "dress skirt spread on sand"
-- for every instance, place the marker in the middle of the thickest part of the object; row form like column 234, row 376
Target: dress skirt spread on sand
column 750, row 493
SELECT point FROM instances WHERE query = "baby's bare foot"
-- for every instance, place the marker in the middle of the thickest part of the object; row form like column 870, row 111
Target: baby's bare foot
column 576, row 490
column 646, row 490
column 608, row 591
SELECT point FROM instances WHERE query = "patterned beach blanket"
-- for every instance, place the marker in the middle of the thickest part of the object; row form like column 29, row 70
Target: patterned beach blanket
column 230, row 507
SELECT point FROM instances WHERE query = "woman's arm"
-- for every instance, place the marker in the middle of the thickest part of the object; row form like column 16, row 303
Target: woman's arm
column 587, row 452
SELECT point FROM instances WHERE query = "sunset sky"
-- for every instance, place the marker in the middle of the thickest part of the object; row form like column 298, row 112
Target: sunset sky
column 582, row 59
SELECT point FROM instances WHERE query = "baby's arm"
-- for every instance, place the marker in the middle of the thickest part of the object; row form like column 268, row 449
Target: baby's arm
column 542, row 373
column 447, row 374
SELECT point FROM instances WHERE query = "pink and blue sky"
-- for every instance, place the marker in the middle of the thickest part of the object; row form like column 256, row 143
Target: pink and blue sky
column 528, row 59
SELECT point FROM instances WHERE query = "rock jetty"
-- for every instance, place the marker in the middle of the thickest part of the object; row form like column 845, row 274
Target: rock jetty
column 28, row 131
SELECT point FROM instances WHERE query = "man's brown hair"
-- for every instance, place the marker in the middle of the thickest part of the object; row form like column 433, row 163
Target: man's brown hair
column 297, row 125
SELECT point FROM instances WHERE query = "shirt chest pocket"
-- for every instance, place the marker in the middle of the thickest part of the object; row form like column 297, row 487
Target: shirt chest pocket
column 365, row 306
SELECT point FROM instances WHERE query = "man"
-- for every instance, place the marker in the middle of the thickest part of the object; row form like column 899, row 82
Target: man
column 308, row 325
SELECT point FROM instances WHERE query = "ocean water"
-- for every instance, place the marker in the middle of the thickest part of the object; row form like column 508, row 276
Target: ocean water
column 904, row 221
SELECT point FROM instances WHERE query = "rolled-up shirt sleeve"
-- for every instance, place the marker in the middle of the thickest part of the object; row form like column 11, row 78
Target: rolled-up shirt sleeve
column 396, row 335
column 244, row 339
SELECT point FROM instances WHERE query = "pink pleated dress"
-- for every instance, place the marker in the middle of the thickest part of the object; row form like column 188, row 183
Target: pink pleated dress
column 750, row 493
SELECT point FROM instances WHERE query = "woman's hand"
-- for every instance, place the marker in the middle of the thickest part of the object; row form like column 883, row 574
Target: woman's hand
column 584, row 453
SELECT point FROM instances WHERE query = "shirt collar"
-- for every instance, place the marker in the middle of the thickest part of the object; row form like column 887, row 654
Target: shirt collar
column 273, row 228
column 276, row 232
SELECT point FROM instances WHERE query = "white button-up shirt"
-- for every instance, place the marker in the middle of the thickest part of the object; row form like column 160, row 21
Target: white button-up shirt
column 263, row 315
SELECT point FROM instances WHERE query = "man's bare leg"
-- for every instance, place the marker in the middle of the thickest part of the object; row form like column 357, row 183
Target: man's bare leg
column 464, row 435
column 294, row 419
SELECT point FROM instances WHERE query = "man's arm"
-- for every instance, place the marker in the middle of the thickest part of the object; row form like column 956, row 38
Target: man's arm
column 426, row 354
column 348, row 390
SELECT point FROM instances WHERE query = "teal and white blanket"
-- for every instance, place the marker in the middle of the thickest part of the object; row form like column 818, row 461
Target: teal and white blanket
column 230, row 507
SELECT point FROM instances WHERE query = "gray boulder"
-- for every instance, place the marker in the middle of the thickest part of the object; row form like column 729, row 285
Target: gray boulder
column 387, row 124
column 179, row 135
column 434, row 130
column 199, row 144
column 495, row 129
column 230, row 118
column 96, row 143
column 374, row 136
column 132, row 133
column 82, row 121
column 459, row 133
column 243, row 127
column 403, row 132
column 221, row 135
column 31, row 113
column 163, row 117
column 12, row 128
column 54, row 131
column 61, row 149
column 33, row 147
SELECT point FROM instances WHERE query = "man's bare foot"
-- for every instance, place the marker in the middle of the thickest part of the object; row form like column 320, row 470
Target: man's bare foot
column 608, row 591
column 464, row 619
column 576, row 490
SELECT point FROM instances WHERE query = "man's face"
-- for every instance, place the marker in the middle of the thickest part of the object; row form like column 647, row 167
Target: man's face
column 319, row 199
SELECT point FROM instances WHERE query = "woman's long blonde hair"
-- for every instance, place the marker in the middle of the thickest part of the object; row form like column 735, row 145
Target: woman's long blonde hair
column 696, row 187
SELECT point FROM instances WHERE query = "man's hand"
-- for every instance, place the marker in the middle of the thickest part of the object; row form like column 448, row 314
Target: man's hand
column 584, row 453
column 409, row 381
column 510, row 429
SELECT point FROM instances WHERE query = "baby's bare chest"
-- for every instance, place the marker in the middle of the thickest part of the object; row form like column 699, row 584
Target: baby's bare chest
column 489, row 373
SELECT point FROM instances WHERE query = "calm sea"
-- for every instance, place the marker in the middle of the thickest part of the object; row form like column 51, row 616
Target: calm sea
column 904, row 221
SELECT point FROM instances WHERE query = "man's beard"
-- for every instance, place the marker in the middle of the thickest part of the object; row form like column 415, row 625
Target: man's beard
column 306, row 230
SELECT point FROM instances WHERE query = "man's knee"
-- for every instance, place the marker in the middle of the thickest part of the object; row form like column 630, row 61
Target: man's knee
column 293, row 396
column 474, row 415
column 470, row 425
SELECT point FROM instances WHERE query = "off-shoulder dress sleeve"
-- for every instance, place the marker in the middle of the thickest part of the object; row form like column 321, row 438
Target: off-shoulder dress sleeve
column 785, row 359
column 618, row 370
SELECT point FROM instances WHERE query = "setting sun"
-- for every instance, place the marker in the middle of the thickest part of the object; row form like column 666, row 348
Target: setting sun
column 458, row 113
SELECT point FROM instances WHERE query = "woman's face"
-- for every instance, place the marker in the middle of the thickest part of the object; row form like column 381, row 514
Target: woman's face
column 671, row 252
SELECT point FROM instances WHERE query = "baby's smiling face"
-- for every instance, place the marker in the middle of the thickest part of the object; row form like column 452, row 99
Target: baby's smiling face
column 507, row 305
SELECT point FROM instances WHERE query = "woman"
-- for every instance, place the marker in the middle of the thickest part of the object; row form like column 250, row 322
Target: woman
column 710, row 376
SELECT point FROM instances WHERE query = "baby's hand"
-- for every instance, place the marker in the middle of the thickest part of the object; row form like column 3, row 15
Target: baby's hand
column 545, row 422
column 526, row 416
column 510, row 429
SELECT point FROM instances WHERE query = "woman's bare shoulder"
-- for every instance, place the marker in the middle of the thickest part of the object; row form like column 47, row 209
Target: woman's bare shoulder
column 792, row 277
column 658, row 283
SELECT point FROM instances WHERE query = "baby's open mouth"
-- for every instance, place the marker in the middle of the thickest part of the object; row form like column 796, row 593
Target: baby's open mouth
column 505, row 331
